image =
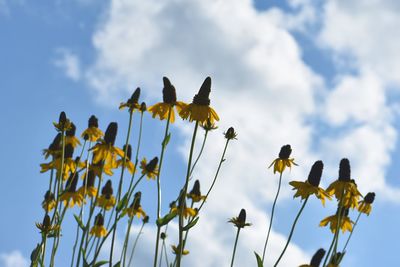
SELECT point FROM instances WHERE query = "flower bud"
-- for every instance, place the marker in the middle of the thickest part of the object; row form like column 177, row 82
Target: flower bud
column 230, row 134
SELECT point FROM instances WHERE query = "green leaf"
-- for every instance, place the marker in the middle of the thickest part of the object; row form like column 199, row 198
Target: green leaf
column 78, row 220
column 259, row 261
column 118, row 264
column 122, row 203
column 166, row 140
column 191, row 224
column 166, row 219
column 35, row 255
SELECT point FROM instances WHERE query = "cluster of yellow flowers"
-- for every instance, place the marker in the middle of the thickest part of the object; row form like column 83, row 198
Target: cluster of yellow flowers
column 77, row 183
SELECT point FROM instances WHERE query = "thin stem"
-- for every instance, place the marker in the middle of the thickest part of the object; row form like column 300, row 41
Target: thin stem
column 120, row 185
column 126, row 241
column 272, row 216
column 200, row 153
column 351, row 233
column 134, row 245
column 180, row 246
column 234, row 247
column 163, row 146
column 336, row 234
column 291, row 231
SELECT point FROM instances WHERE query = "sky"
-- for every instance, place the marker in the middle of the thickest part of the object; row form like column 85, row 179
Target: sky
column 322, row 76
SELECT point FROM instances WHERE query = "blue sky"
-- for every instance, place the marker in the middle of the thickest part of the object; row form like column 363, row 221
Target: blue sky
column 315, row 75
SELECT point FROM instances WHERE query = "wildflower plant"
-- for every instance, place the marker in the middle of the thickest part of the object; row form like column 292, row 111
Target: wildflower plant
column 95, row 180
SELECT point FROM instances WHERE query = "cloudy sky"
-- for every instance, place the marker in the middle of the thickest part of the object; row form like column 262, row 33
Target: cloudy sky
column 322, row 76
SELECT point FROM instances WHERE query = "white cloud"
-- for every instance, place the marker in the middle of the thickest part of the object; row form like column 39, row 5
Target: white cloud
column 69, row 63
column 367, row 31
column 13, row 259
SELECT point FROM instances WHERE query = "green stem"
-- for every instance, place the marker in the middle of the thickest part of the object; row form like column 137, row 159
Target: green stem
column 134, row 245
column 120, row 185
column 179, row 254
column 351, row 233
column 336, row 234
column 200, row 153
column 291, row 231
column 234, row 247
column 163, row 146
column 126, row 241
column 272, row 216
column 82, row 207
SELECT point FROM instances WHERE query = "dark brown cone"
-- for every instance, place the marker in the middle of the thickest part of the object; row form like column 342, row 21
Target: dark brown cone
column 203, row 96
column 111, row 133
column 169, row 92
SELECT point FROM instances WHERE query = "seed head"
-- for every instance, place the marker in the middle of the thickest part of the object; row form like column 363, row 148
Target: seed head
column 314, row 177
column 93, row 122
column 369, row 198
column 203, row 96
column 285, row 152
column 169, row 92
column 111, row 133
column 317, row 258
column 344, row 170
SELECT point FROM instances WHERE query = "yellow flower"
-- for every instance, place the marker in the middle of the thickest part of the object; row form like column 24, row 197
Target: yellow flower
column 132, row 102
column 46, row 226
column 92, row 133
column 316, row 259
column 63, row 123
column 365, row 205
column 88, row 188
column 106, row 200
column 240, row 221
column 128, row 163
column 311, row 186
column 105, row 150
column 283, row 160
column 49, row 202
column 54, row 148
column 70, row 196
column 98, row 230
column 149, row 169
column 185, row 212
column 176, row 250
column 344, row 188
column 162, row 109
column 345, row 222
column 199, row 110
column 70, row 136
column 69, row 163
column 195, row 193
column 135, row 209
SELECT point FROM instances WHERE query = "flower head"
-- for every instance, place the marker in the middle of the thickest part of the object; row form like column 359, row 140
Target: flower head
column 176, row 250
column 128, row 163
column 135, row 209
column 70, row 137
column 63, row 123
column 311, row 186
column 208, row 126
column 316, row 259
column 230, row 134
column 165, row 109
column 106, row 200
column 49, row 201
column 240, row 221
column 54, row 148
column 143, row 107
column 98, row 230
column 69, row 165
column 88, row 188
column 345, row 222
column 92, row 133
column 199, row 110
column 365, row 206
column 46, row 227
column 70, row 196
column 149, row 169
column 283, row 160
column 195, row 193
column 182, row 208
column 132, row 102
column 345, row 188
column 105, row 149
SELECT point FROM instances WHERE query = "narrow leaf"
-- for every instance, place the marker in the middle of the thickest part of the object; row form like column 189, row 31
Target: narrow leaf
column 259, row 261
column 190, row 225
